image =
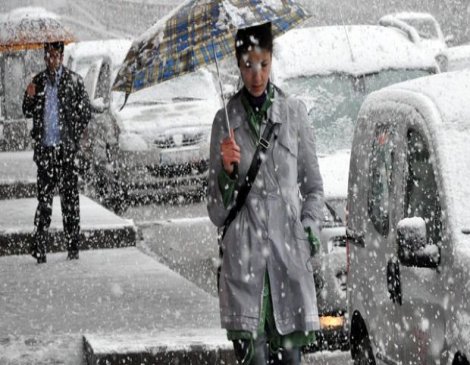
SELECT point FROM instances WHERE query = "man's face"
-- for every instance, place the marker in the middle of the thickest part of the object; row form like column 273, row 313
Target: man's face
column 255, row 67
column 53, row 59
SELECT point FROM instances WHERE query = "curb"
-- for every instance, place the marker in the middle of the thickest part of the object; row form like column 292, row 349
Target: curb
column 20, row 243
column 191, row 347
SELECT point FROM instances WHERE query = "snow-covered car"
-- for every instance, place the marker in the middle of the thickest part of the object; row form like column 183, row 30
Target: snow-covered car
column 155, row 143
column 432, row 39
column 332, row 69
column 79, row 56
column 409, row 224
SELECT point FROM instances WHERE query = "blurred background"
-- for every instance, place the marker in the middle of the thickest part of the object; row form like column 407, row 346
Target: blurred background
column 97, row 19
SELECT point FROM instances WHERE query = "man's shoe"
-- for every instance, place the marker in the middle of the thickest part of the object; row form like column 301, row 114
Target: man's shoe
column 38, row 248
column 41, row 259
column 34, row 252
column 72, row 255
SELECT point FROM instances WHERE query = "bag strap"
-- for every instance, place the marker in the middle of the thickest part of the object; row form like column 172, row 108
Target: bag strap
column 245, row 188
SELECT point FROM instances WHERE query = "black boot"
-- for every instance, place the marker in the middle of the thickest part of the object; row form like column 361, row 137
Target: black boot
column 38, row 249
column 73, row 249
column 72, row 255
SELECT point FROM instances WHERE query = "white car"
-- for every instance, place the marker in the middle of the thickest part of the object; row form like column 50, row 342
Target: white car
column 432, row 39
column 409, row 224
column 153, row 145
column 332, row 69
column 79, row 56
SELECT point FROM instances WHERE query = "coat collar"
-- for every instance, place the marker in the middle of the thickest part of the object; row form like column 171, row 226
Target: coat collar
column 237, row 114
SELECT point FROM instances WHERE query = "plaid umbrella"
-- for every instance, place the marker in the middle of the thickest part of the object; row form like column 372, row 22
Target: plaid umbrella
column 29, row 28
column 197, row 33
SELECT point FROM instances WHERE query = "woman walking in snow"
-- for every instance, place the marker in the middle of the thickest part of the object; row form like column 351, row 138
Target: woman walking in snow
column 266, row 286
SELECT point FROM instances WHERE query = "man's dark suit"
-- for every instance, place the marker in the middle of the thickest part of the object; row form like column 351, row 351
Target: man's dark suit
column 56, row 166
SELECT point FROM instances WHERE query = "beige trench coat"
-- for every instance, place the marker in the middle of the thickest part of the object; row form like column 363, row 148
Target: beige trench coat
column 268, row 233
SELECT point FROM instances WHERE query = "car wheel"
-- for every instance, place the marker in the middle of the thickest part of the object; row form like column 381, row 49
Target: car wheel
column 361, row 349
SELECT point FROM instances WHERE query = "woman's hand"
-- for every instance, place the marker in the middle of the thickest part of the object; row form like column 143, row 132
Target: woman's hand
column 230, row 152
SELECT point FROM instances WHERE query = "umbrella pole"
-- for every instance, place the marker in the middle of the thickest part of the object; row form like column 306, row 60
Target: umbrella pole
column 221, row 88
column 235, row 165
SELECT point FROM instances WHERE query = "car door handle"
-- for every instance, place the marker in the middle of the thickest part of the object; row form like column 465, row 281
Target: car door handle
column 393, row 280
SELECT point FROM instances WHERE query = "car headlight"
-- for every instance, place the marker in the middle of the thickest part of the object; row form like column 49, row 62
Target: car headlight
column 132, row 142
column 331, row 322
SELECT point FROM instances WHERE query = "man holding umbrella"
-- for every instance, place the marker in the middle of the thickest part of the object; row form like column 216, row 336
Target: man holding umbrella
column 59, row 105
column 266, row 288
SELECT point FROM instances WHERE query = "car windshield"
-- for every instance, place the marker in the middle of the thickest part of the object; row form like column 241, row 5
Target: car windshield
column 333, row 102
column 193, row 86
column 425, row 27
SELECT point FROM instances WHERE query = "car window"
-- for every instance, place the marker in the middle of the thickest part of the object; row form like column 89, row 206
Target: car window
column 332, row 104
column 422, row 196
column 385, row 78
column 103, row 84
column 333, row 101
column 380, row 179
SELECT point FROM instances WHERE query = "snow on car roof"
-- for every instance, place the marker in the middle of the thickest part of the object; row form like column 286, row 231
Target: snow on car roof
column 449, row 92
column 115, row 48
column 325, row 50
column 412, row 15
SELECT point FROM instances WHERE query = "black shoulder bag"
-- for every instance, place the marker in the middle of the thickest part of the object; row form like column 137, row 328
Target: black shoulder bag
column 244, row 189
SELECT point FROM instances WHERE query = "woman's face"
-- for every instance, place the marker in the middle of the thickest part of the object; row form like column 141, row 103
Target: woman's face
column 255, row 67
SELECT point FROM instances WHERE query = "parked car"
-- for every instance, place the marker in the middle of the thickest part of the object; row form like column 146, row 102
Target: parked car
column 79, row 56
column 432, row 39
column 155, row 144
column 408, row 225
column 332, row 69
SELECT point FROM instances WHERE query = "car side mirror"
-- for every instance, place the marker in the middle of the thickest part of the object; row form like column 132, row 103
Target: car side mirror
column 99, row 106
column 413, row 249
column 442, row 61
column 449, row 38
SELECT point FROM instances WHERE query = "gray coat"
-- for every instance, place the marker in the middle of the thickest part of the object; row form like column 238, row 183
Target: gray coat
column 268, row 233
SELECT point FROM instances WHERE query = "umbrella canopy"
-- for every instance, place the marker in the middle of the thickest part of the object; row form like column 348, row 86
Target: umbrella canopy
column 29, row 28
column 194, row 34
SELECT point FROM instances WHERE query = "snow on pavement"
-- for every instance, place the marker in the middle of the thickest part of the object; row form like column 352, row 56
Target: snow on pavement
column 49, row 306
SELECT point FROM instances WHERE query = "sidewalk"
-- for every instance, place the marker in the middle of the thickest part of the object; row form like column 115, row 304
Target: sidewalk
column 119, row 300
column 18, row 175
column 100, row 228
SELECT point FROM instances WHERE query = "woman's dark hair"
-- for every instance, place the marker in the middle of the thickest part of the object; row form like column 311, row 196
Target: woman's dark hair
column 256, row 36
column 58, row 46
